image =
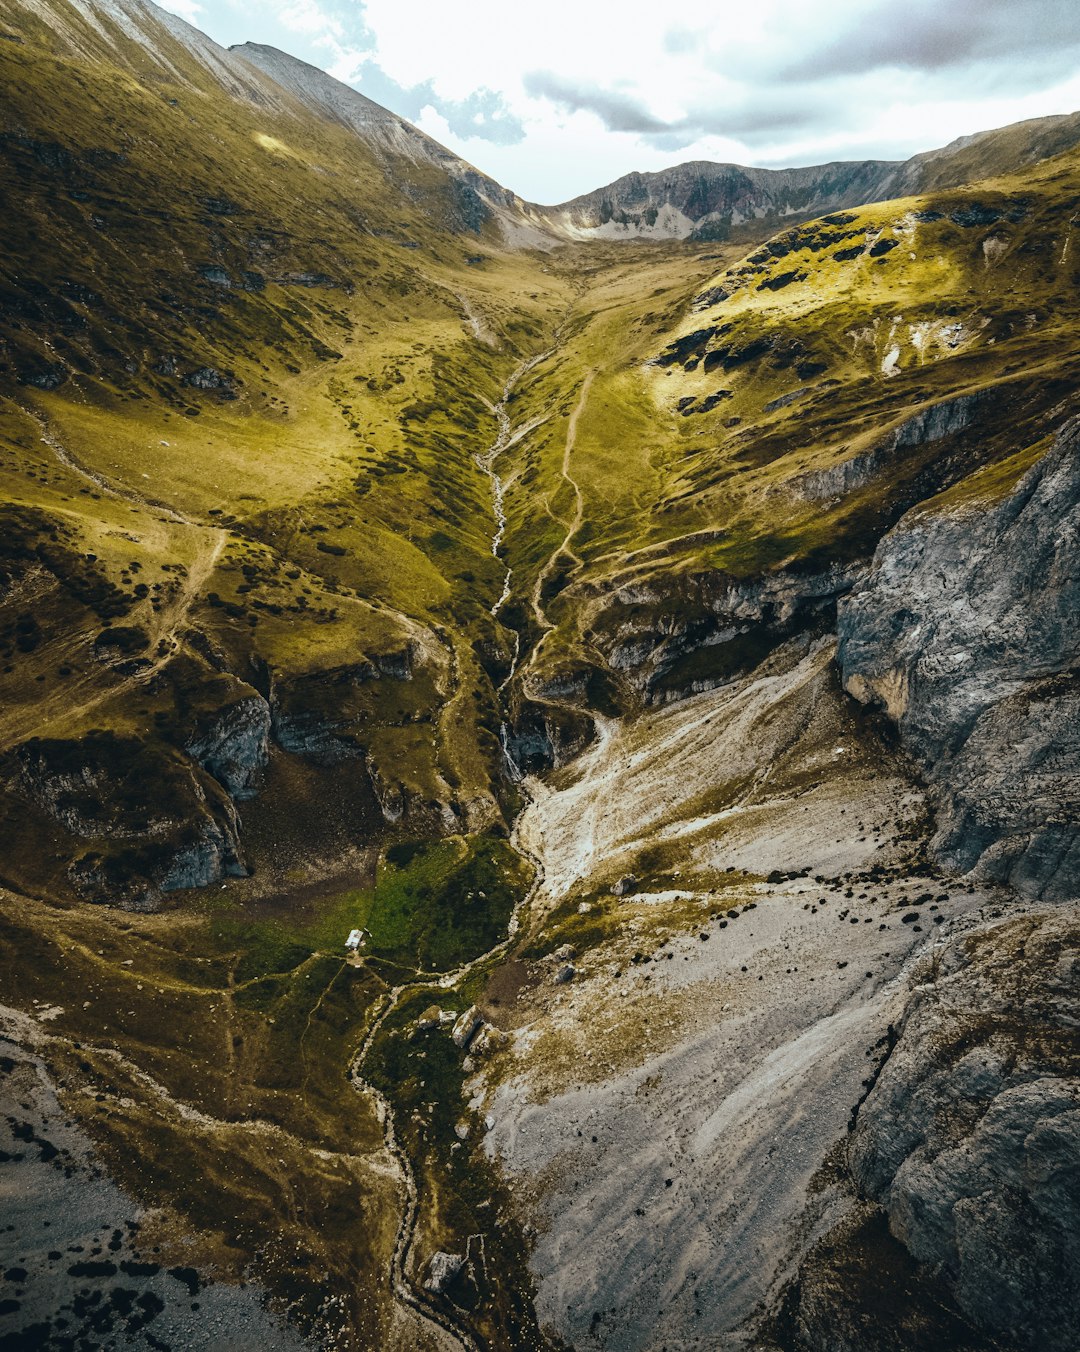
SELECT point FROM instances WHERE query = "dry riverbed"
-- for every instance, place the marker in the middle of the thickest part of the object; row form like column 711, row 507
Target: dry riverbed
column 666, row 1116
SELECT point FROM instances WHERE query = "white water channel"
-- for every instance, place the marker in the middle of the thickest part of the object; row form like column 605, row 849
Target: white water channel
column 487, row 459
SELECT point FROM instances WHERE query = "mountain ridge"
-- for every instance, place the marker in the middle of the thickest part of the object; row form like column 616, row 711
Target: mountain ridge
column 537, row 785
column 702, row 199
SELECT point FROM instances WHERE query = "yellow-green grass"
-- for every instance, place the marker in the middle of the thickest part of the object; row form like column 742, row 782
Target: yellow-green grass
column 359, row 409
column 666, row 494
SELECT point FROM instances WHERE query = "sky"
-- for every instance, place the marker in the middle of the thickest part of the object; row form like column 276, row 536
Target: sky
column 557, row 98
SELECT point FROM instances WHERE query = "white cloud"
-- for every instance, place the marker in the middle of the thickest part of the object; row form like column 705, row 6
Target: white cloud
column 187, row 9
column 558, row 98
column 307, row 17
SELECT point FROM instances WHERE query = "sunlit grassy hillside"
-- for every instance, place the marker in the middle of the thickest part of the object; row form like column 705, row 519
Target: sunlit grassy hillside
column 247, row 365
column 782, row 416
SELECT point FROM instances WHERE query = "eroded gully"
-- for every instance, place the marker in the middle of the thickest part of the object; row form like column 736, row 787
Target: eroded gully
column 441, row 1321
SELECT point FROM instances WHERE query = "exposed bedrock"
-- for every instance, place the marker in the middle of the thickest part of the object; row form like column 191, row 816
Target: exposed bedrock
column 326, row 715
column 233, row 744
column 552, row 718
column 119, row 842
column 124, row 818
column 965, row 633
column 970, row 1139
column 542, row 737
column 930, row 424
column 676, row 636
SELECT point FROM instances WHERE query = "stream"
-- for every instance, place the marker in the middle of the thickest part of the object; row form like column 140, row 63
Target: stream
column 486, row 461
column 404, row 1290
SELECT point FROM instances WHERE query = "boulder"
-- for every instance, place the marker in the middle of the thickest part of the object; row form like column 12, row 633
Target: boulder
column 443, row 1270
column 466, row 1026
column 487, row 1039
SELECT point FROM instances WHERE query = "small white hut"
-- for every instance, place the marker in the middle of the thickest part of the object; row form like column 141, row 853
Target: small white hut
column 356, row 940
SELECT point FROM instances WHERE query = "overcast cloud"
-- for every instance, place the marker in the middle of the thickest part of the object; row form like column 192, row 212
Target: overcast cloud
column 556, row 99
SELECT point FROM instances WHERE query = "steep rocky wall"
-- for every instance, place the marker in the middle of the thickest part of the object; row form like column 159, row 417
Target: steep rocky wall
column 672, row 636
column 930, row 424
column 117, row 842
column 125, row 818
column 965, row 632
column 233, row 745
column 970, row 1139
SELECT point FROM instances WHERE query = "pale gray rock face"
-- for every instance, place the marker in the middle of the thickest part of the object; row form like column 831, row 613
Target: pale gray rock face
column 966, row 632
column 930, row 424
column 701, row 199
column 214, row 855
column 466, row 1026
column 970, row 1139
column 129, row 845
column 647, row 631
column 234, row 745
column 705, row 200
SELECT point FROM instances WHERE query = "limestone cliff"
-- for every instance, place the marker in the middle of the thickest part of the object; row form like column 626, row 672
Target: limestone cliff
column 970, row 1139
column 965, row 633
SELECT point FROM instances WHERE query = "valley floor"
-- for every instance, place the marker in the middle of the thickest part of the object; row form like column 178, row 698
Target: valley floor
column 668, row 1118
column 674, row 1064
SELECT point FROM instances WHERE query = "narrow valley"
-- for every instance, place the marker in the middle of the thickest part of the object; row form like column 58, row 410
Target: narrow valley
column 539, row 776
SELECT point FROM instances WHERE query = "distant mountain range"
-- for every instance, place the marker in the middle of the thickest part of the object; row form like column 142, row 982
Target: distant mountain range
column 697, row 200
column 703, row 200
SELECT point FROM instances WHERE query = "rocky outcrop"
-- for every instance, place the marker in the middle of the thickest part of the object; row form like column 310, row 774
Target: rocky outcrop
column 542, row 737
column 319, row 715
column 553, row 714
column 970, row 1138
column 679, row 635
column 704, row 200
column 965, row 633
column 466, row 1026
column 930, row 424
column 443, row 1270
column 859, row 1290
column 209, row 378
column 233, row 744
column 126, row 844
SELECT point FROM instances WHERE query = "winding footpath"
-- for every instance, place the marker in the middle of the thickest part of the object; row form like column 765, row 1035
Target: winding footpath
column 504, row 439
column 83, row 694
column 409, row 1295
column 447, row 1329
column 564, row 545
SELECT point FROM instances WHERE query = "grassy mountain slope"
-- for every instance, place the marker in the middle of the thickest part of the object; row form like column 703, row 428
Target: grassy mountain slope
column 243, row 400
column 792, row 409
column 245, row 614
column 248, row 359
